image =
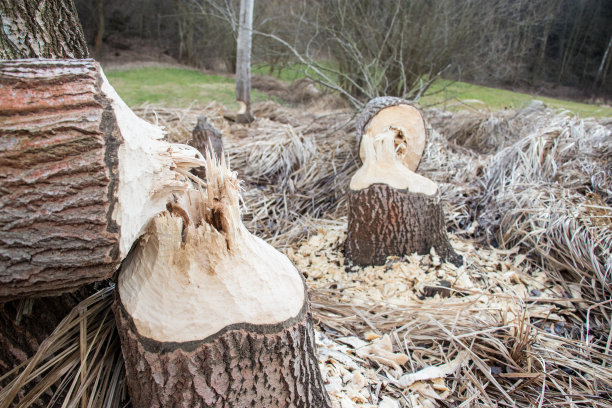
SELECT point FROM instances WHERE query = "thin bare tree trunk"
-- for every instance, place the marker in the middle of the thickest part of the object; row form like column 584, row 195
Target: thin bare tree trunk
column 100, row 28
column 243, row 62
column 602, row 65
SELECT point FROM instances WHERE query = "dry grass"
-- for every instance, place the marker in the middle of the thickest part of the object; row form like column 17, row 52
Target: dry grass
column 534, row 183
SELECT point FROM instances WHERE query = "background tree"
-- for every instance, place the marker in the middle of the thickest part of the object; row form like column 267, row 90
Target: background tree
column 243, row 61
column 538, row 44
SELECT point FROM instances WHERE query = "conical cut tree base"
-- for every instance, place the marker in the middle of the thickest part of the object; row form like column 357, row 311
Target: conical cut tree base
column 210, row 315
column 384, row 221
column 243, row 365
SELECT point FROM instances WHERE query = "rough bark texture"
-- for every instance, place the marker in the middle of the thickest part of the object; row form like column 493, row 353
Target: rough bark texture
column 241, row 366
column 383, row 221
column 58, row 161
column 40, row 29
column 373, row 107
column 204, row 137
column 243, row 62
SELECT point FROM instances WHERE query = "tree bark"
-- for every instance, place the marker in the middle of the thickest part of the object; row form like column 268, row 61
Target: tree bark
column 243, row 62
column 242, row 365
column 40, row 29
column 384, row 221
column 212, row 316
column 72, row 159
column 206, row 138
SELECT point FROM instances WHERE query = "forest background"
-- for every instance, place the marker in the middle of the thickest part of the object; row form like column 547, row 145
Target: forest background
column 369, row 48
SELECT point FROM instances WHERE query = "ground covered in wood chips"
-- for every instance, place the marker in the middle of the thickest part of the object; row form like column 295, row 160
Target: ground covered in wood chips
column 494, row 291
column 528, row 200
column 526, row 321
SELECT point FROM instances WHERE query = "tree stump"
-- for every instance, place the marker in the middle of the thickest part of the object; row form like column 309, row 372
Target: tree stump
column 205, row 137
column 393, row 210
column 212, row 316
column 80, row 176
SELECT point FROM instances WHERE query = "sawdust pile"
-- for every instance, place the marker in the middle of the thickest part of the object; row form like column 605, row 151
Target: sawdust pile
column 417, row 332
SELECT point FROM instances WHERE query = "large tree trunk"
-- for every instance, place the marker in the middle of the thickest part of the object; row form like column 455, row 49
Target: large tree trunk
column 210, row 315
column 243, row 62
column 80, row 176
column 29, row 29
column 40, row 29
column 392, row 210
column 99, row 29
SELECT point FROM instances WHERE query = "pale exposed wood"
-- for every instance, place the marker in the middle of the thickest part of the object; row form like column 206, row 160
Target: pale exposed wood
column 210, row 315
column 80, row 176
column 382, row 164
column 387, row 112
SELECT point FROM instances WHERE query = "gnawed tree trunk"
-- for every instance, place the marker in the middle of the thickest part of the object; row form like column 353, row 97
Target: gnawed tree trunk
column 40, row 29
column 205, row 137
column 392, row 210
column 243, row 62
column 81, row 176
column 210, row 315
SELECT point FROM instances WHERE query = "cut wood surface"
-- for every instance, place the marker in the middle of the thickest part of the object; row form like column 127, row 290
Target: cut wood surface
column 210, row 315
column 386, row 112
column 80, row 176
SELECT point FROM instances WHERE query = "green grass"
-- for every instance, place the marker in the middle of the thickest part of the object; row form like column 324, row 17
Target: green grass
column 181, row 87
column 178, row 87
column 461, row 95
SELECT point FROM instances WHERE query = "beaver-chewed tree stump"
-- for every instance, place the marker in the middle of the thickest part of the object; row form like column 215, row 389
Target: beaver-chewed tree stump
column 392, row 210
column 212, row 316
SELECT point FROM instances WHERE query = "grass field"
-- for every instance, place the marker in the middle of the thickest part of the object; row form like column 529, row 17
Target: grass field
column 181, row 87
column 178, row 87
column 461, row 95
